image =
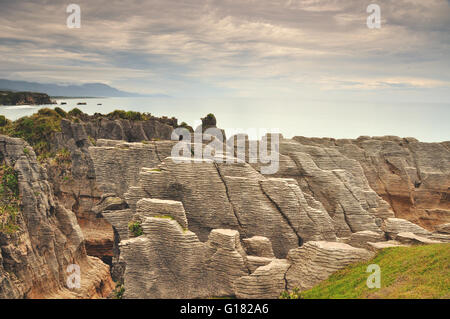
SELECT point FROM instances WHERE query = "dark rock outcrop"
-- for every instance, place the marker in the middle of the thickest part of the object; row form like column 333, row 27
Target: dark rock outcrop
column 24, row 98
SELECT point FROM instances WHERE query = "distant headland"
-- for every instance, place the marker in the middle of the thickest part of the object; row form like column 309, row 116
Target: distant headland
column 24, row 98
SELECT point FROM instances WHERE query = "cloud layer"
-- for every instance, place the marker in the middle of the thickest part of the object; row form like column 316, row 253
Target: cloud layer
column 231, row 48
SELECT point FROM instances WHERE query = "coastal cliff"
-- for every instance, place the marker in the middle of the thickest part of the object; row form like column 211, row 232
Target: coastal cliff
column 42, row 238
column 319, row 206
column 114, row 200
column 24, row 98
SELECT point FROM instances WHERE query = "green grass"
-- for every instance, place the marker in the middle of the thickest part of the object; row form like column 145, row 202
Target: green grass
column 406, row 272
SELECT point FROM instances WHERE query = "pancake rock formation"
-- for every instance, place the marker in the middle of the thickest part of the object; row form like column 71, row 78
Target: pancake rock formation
column 213, row 228
column 34, row 258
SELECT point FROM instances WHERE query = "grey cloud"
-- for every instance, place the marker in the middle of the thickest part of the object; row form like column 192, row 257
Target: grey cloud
column 207, row 41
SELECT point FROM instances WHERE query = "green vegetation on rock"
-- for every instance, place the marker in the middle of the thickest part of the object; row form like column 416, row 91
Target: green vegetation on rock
column 129, row 115
column 35, row 129
column 209, row 121
column 39, row 128
column 75, row 112
column 61, row 112
column 3, row 121
column 406, row 272
column 186, row 126
column 163, row 216
column 135, row 228
column 9, row 200
column 294, row 294
column 63, row 157
column 118, row 291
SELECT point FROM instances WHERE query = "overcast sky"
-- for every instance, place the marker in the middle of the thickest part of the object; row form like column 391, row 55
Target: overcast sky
column 239, row 48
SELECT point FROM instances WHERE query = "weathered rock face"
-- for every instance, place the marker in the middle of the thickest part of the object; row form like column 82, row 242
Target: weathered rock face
column 76, row 186
column 34, row 259
column 118, row 163
column 320, row 212
column 338, row 183
column 413, row 239
column 394, row 226
column 316, row 261
column 362, row 238
column 266, row 282
column 119, row 129
column 170, row 262
column 214, row 197
column 413, row 177
column 443, row 228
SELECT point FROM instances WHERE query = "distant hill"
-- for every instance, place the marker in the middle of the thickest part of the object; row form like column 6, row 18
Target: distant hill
column 83, row 90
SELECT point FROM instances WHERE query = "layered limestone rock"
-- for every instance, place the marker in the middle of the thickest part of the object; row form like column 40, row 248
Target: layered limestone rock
column 317, row 260
column 304, row 267
column 122, row 161
column 258, row 246
column 151, row 207
column 76, row 186
column 34, row 258
column 117, row 129
column 384, row 244
column 338, row 183
column 413, row 177
column 235, row 196
column 323, row 192
column 266, row 282
column 393, row 226
column 362, row 239
column 170, row 262
column 443, row 229
column 413, row 239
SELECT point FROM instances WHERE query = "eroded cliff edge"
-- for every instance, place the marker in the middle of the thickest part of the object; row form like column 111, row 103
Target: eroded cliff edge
column 317, row 214
column 218, row 229
column 55, row 226
column 46, row 238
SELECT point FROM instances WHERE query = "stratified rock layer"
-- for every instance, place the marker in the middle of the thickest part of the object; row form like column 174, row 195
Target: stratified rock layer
column 413, row 177
column 34, row 259
column 317, row 260
column 321, row 211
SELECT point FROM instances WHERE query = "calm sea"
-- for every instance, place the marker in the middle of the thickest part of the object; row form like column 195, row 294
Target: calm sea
column 428, row 123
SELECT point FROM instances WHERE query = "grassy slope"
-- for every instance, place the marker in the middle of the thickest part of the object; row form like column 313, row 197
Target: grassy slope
column 406, row 272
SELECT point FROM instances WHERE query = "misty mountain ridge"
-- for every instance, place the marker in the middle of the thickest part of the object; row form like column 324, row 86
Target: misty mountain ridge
column 71, row 90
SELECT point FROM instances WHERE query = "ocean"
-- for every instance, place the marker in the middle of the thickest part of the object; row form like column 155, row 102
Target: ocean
column 426, row 122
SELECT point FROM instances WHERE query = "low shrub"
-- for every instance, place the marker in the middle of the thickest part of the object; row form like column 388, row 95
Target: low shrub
column 294, row 294
column 135, row 228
